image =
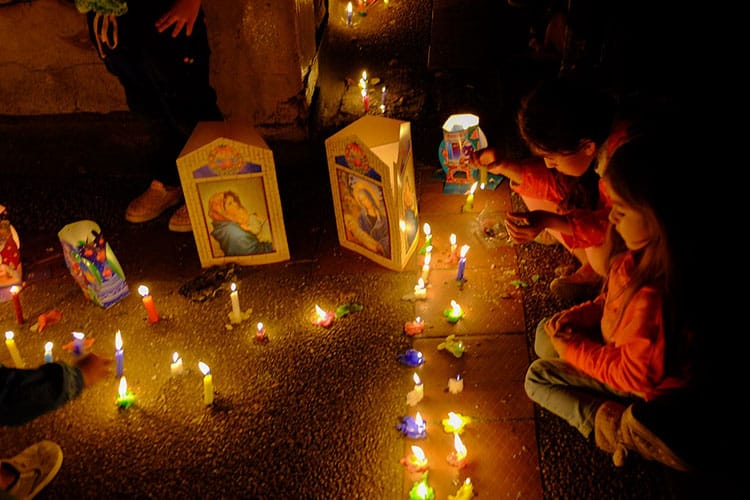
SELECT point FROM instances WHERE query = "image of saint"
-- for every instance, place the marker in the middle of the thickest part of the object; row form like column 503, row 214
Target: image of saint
column 237, row 231
column 365, row 218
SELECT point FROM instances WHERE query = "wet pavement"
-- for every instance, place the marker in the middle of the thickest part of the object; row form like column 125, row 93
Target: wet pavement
column 313, row 412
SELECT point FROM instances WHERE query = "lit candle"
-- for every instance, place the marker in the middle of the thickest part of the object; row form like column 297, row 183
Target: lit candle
column 366, row 99
column 349, row 11
column 118, row 354
column 456, row 385
column 125, row 398
column 469, row 204
column 427, row 237
column 415, row 327
column 454, row 313
column 322, row 318
column 420, row 292
column 457, row 457
column 208, row 383
column 148, row 303
column 48, row 352
column 455, row 422
column 260, row 333
column 14, row 290
column 363, row 80
column 462, row 263
column 454, row 254
column 417, row 394
column 78, row 345
column 413, row 427
column 14, row 354
column 417, row 461
column 426, row 267
column 382, row 99
column 420, row 490
column 175, row 368
column 465, row 492
column 236, row 315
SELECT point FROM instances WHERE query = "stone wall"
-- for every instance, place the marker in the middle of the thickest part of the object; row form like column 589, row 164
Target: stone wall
column 264, row 62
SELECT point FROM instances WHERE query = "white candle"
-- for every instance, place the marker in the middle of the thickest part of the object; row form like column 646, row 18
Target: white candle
column 236, row 315
column 426, row 267
column 208, row 383
column 417, row 394
column 455, row 385
column 382, row 99
column 176, row 367
column 420, row 292
column 14, row 354
column 48, row 352
column 453, row 246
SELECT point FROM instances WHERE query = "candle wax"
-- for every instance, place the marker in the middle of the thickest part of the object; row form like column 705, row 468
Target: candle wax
column 48, row 352
column 414, row 327
column 236, row 315
column 118, row 355
column 208, row 389
column 411, row 428
column 14, row 354
column 176, row 368
column 17, row 304
column 78, row 343
column 416, row 461
column 421, row 490
column 411, row 357
column 456, row 385
column 148, row 303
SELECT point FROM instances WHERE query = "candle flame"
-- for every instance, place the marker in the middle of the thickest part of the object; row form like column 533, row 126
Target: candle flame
column 123, row 389
column 420, row 284
column 473, row 188
column 456, row 308
column 364, row 76
column 418, row 420
column 417, row 380
column 260, row 326
column 205, row 370
column 349, row 8
column 118, row 340
column 175, row 357
column 233, row 287
column 418, row 319
column 320, row 312
column 419, row 456
column 79, row 335
column 48, row 346
column 426, row 228
column 15, row 289
column 427, row 259
column 143, row 290
column 459, row 446
column 464, row 250
column 453, row 239
column 9, row 335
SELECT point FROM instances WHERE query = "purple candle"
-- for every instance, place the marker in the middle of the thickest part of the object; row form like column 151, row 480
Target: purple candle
column 118, row 354
column 462, row 263
column 413, row 427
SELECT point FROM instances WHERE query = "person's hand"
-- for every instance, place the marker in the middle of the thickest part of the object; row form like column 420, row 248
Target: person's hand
column 94, row 368
column 523, row 227
column 182, row 14
column 482, row 157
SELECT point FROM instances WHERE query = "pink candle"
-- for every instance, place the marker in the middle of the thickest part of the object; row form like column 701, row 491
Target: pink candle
column 14, row 290
column 148, row 303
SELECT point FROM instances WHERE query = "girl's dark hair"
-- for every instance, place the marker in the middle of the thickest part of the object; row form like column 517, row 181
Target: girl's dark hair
column 644, row 172
column 555, row 117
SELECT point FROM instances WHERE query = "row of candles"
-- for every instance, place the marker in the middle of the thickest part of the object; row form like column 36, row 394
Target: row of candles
column 416, row 427
column 361, row 10
column 365, row 92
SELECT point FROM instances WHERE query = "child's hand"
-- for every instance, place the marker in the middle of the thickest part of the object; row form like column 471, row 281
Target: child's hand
column 182, row 15
column 94, row 368
column 483, row 157
column 522, row 227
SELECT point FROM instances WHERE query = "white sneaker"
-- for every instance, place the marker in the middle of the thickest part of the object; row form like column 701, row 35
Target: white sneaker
column 36, row 466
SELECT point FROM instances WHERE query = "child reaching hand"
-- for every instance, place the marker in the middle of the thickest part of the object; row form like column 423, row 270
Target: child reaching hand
column 570, row 129
column 631, row 343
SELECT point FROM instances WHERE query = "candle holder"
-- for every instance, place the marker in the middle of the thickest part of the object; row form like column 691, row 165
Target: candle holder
column 413, row 328
column 456, row 385
column 420, row 490
column 452, row 345
column 125, row 398
column 413, row 427
column 454, row 313
column 416, row 461
column 322, row 317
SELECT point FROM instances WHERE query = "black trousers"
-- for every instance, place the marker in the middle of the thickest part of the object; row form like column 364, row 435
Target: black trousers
column 164, row 78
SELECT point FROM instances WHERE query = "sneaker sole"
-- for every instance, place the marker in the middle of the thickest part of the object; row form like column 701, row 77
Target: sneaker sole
column 180, row 229
column 148, row 217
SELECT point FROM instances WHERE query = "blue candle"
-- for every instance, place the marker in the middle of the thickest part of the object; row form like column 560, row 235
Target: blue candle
column 78, row 343
column 411, row 357
column 413, row 427
column 118, row 353
column 48, row 352
column 462, row 263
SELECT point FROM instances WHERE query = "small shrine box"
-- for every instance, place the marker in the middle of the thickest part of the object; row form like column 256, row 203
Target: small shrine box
column 371, row 166
column 228, row 177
